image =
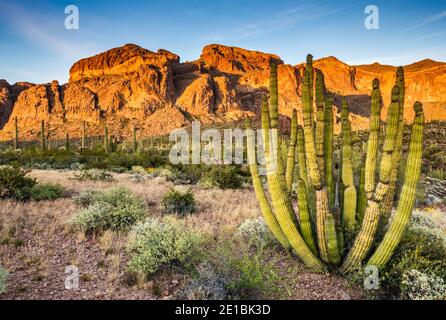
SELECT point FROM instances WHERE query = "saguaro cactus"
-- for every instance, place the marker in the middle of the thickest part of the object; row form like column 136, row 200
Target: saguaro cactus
column 134, row 141
column 16, row 134
column 43, row 144
column 106, row 140
column 84, row 136
column 313, row 151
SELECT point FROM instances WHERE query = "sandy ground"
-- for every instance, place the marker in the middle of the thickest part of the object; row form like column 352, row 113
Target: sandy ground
column 41, row 246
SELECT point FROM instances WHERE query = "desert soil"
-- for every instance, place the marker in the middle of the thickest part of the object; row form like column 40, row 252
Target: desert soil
column 42, row 246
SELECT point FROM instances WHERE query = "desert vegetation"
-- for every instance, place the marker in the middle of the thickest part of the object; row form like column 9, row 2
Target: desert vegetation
column 138, row 227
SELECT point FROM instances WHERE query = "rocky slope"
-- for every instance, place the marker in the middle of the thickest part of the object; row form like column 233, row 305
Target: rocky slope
column 130, row 85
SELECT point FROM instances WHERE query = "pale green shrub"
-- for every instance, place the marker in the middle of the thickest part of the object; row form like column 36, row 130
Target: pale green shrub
column 416, row 285
column 153, row 244
column 255, row 232
column 117, row 209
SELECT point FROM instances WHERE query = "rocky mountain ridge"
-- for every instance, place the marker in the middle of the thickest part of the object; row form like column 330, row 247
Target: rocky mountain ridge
column 156, row 92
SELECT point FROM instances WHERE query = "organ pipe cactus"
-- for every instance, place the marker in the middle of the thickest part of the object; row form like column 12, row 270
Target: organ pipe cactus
column 397, row 152
column 349, row 203
column 318, row 241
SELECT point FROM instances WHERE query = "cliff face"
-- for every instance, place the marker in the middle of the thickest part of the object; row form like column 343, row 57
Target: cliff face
column 130, row 85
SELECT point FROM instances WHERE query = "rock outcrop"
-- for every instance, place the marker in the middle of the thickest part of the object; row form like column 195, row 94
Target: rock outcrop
column 131, row 85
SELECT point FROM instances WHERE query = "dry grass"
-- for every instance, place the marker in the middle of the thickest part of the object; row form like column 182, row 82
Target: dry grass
column 36, row 245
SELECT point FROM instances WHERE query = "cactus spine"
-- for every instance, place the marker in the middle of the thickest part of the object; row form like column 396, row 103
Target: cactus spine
column 320, row 238
column 408, row 193
column 16, row 134
column 43, row 144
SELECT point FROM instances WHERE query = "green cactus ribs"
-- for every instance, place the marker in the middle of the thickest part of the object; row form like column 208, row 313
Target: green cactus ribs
column 333, row 205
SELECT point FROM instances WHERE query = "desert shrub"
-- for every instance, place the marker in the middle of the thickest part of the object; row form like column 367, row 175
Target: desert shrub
column 187, row 174
column 226, row 177
column 3, row 277
column 255, row 232
column 422, row 248
column 249, row 274
column 15, row 184
column 177, row 202
column 138, row 170
column 207, row 286
column 416, row 285
column 86, row 198
column 154, row 244
column 46, row 191
column 117, row 209
column 93, row 175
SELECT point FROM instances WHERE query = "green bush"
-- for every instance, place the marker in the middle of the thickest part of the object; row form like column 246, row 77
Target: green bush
column 416, row 285
column 117, row 209
column 93, row 175
column 86, row 198
column 187, row 174
column 3, row 277
column 226, row 177
column 154, row 244
column 249, row 274
column 422, row 248
column 46, row 191
column 15, row 184
column 181, row 203
column 33, row 157
column 256, row 232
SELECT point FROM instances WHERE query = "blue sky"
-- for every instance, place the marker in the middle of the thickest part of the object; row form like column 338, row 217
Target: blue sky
column 36, row 47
